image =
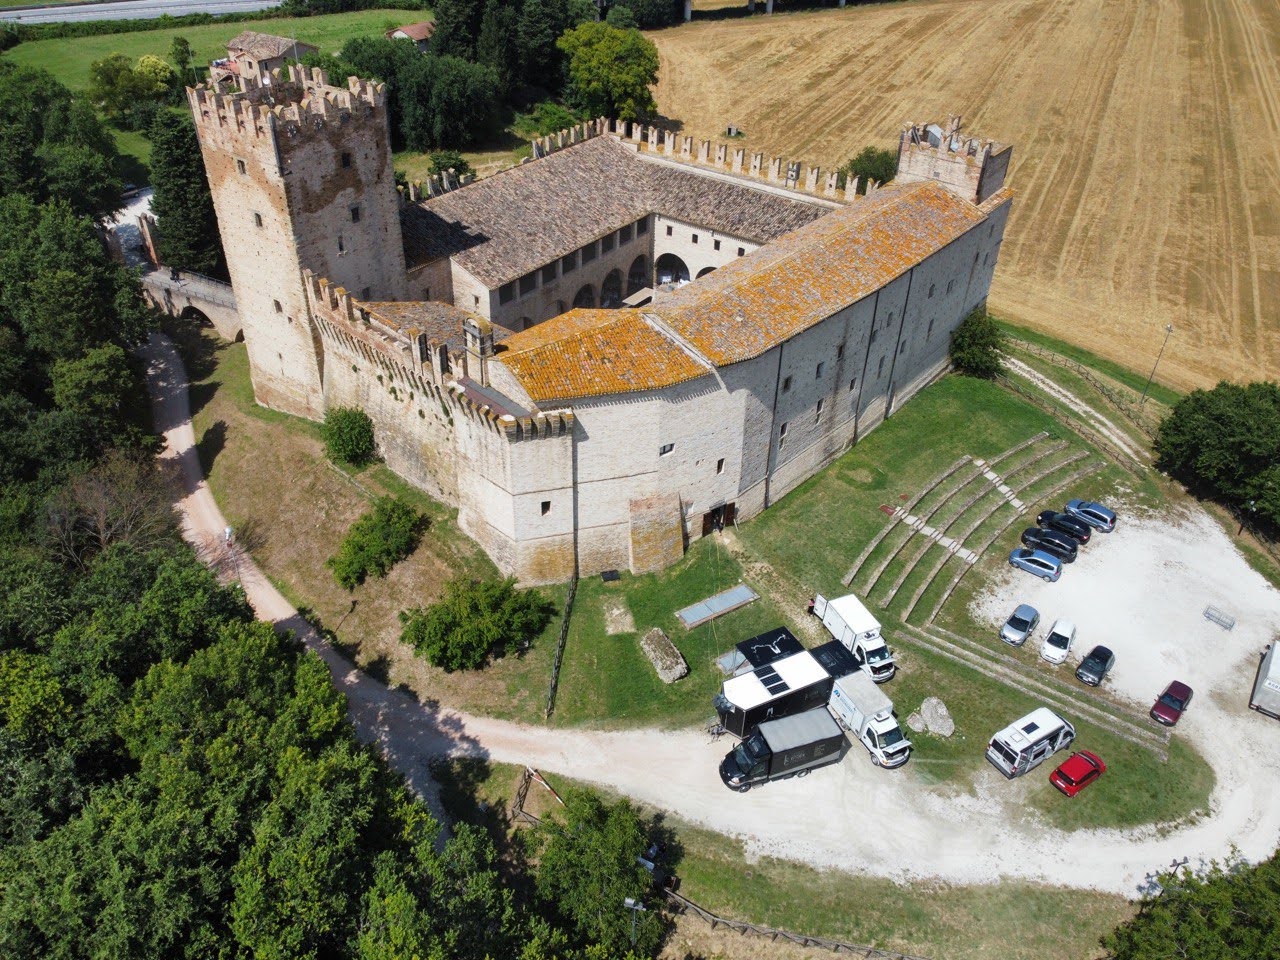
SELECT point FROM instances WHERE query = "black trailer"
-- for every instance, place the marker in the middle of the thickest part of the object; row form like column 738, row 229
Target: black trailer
column 778, row 749
column 769, row 646
column 778, row 689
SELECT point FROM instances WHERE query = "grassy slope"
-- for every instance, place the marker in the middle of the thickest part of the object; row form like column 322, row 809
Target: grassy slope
column 1001, row 922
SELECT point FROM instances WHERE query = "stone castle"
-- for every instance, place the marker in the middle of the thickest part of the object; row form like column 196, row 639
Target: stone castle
column 610, row 349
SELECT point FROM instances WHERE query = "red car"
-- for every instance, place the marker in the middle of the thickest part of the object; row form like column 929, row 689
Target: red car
column 1077, row 772
column 1169, row 706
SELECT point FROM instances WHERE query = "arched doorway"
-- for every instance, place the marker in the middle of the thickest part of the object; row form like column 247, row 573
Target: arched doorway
column 671, row 269
column 611, row 290
column 704, row 271
column 585, row 297
column 638, row 275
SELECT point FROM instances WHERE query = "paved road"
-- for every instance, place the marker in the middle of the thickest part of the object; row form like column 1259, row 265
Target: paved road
column 133, row 10
column 855, row 817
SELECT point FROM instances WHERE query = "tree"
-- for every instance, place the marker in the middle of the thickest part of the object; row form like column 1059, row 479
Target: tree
column 620, row 16
column 181, row 54
column 448, row 103
column 496, row 44
column 976, row 346
column 649, row 14
column 473, row 620
column 376, row 542
column 1223, row 913
column 182, row 203
column 1225, row 443
column 587, row 868
column 348, row 436
column 870, row 164
column 443, row 160
column 610, row 71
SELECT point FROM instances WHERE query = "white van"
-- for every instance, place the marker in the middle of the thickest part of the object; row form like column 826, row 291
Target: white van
column 1024, row 745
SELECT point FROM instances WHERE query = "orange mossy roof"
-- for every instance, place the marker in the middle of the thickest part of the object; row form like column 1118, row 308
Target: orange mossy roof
column 751, row 305
column 590, row 353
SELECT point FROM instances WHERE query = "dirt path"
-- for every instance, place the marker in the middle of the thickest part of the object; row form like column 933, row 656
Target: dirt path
column 878, row 822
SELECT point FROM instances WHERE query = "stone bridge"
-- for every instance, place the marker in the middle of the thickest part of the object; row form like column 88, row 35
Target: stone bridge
column 194, row 296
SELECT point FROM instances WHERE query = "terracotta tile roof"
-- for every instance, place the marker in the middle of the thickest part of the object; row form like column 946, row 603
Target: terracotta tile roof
column 441, row 322
column 752, row 304
column 504, row 226
column 590, row 353
column 416, row 32
column 265, row 46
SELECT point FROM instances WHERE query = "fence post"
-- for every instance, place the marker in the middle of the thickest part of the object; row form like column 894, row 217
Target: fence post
column 564, row 635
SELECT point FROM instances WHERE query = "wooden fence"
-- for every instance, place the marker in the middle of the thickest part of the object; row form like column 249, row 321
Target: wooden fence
column 564, row 635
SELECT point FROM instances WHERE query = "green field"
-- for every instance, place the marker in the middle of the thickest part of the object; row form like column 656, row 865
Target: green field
column 69, row 59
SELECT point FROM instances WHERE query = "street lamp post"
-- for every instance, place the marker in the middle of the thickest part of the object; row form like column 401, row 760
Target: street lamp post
column 635, row 906
column 1168, row 329
column 1250, row 506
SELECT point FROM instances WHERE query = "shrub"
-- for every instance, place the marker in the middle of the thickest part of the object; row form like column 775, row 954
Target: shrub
column 475, row 619
column 443, row 160
column 376, row 542
column 348, row 436
column 871, row 163
column 976, row 345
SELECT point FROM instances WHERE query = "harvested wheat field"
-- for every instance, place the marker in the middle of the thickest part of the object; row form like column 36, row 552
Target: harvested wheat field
column 1146, row 137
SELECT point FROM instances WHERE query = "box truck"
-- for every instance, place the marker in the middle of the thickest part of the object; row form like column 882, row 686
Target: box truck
column 778, row 689
column 789, row 747
column 862, row 708
column 853, row 625
column 1266, row 686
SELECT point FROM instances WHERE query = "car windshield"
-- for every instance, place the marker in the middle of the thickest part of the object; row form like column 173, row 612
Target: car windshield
column 878, row 655
column 890, row 737
column 1169, row 700
column 1018, row 623
column 749, row 752
column 1059, row 640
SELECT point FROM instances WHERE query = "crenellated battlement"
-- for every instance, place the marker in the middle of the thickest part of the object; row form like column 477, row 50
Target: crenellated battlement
column 972, row 167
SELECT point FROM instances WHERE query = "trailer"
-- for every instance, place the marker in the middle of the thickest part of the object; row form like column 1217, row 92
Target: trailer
column 1266, row 686
column 778, row 749
column 854, row 626
column 862, row 708
column 784, row 687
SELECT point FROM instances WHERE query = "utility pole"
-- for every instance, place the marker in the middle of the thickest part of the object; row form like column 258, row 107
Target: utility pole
column 635, row 906
column 1167, row 330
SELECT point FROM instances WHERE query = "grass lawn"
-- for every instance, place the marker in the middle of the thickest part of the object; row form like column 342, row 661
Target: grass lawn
column 997, row 922
column 270, row 476
column 69, row 59
column 606, row 679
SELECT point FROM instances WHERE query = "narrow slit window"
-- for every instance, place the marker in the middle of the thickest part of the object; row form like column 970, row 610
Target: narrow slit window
column 720, row 466
column 665, row 449
column 786, row 384
column 355, row 214
column 546, row 507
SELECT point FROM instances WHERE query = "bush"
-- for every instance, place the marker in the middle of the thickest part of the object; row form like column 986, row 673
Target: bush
column 871, row 163
column 976, row 346
column 546, row 118
column 443, row 160
column 1225, row 443
column 376, row 542
column 475, row 619
column 348, row 436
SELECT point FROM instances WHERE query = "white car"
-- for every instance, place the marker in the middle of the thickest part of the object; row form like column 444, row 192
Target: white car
column 1058, row 643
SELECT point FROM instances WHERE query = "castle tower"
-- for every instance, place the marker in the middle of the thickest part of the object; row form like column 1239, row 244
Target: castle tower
column 974, row 169
column 301, row 178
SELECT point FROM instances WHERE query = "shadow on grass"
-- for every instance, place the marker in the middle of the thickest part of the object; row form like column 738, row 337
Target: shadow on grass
column 211, row 444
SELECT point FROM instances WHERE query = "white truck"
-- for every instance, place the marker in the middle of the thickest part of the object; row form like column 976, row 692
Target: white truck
column 853, row 625
column 862, row 708
column 1266, row 686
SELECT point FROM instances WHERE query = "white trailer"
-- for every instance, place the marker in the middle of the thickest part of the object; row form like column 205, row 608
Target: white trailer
column 1266, row 686
column 862, row 708
column 854, row 626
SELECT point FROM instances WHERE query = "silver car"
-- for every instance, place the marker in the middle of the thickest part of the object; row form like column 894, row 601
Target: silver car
column 1021, row 624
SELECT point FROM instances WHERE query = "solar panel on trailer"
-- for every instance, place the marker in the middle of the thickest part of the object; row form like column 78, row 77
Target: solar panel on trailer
column 772, row 682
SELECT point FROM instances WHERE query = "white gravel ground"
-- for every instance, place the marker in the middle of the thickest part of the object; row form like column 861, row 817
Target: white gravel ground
column 1142, row 589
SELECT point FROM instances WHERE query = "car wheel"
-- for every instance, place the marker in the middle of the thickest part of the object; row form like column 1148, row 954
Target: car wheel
column 1012, row 564
column 1047, row 579
column 802, row 773
column 744, row 788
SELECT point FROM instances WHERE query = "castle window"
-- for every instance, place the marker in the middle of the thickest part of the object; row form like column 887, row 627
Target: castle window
column 817, row 375
column 670, row 230
column 782, row 431
column 853, row 384
column 873, row 335
column 606, row 243
column 931, row 289
column 642, row 227
column 569, row 264
column 342, row 244
column 475, row 299
column 929, row 332
column 276, row 304
column 355, row 214
column 364, row 293
column 346, row 161
column 880, row 369
column 695, row 238
column 241, row 168
column 589, row 252
column 506, row 292
column 903, row 348
column 624, row 235
column 257, row 219
column 786, row 384
column 889, row 322
column 546, row 507
column 715, row 244
column 818, row 414
column 548, row 273
column 840, row 352
column 951, row 285
column 665, row 449
column 720, row 466
column 528, row 283
column 742, row 251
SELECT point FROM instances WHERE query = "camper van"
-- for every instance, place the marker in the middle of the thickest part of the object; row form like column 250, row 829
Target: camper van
column 1024, row 745
column 777, row 689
